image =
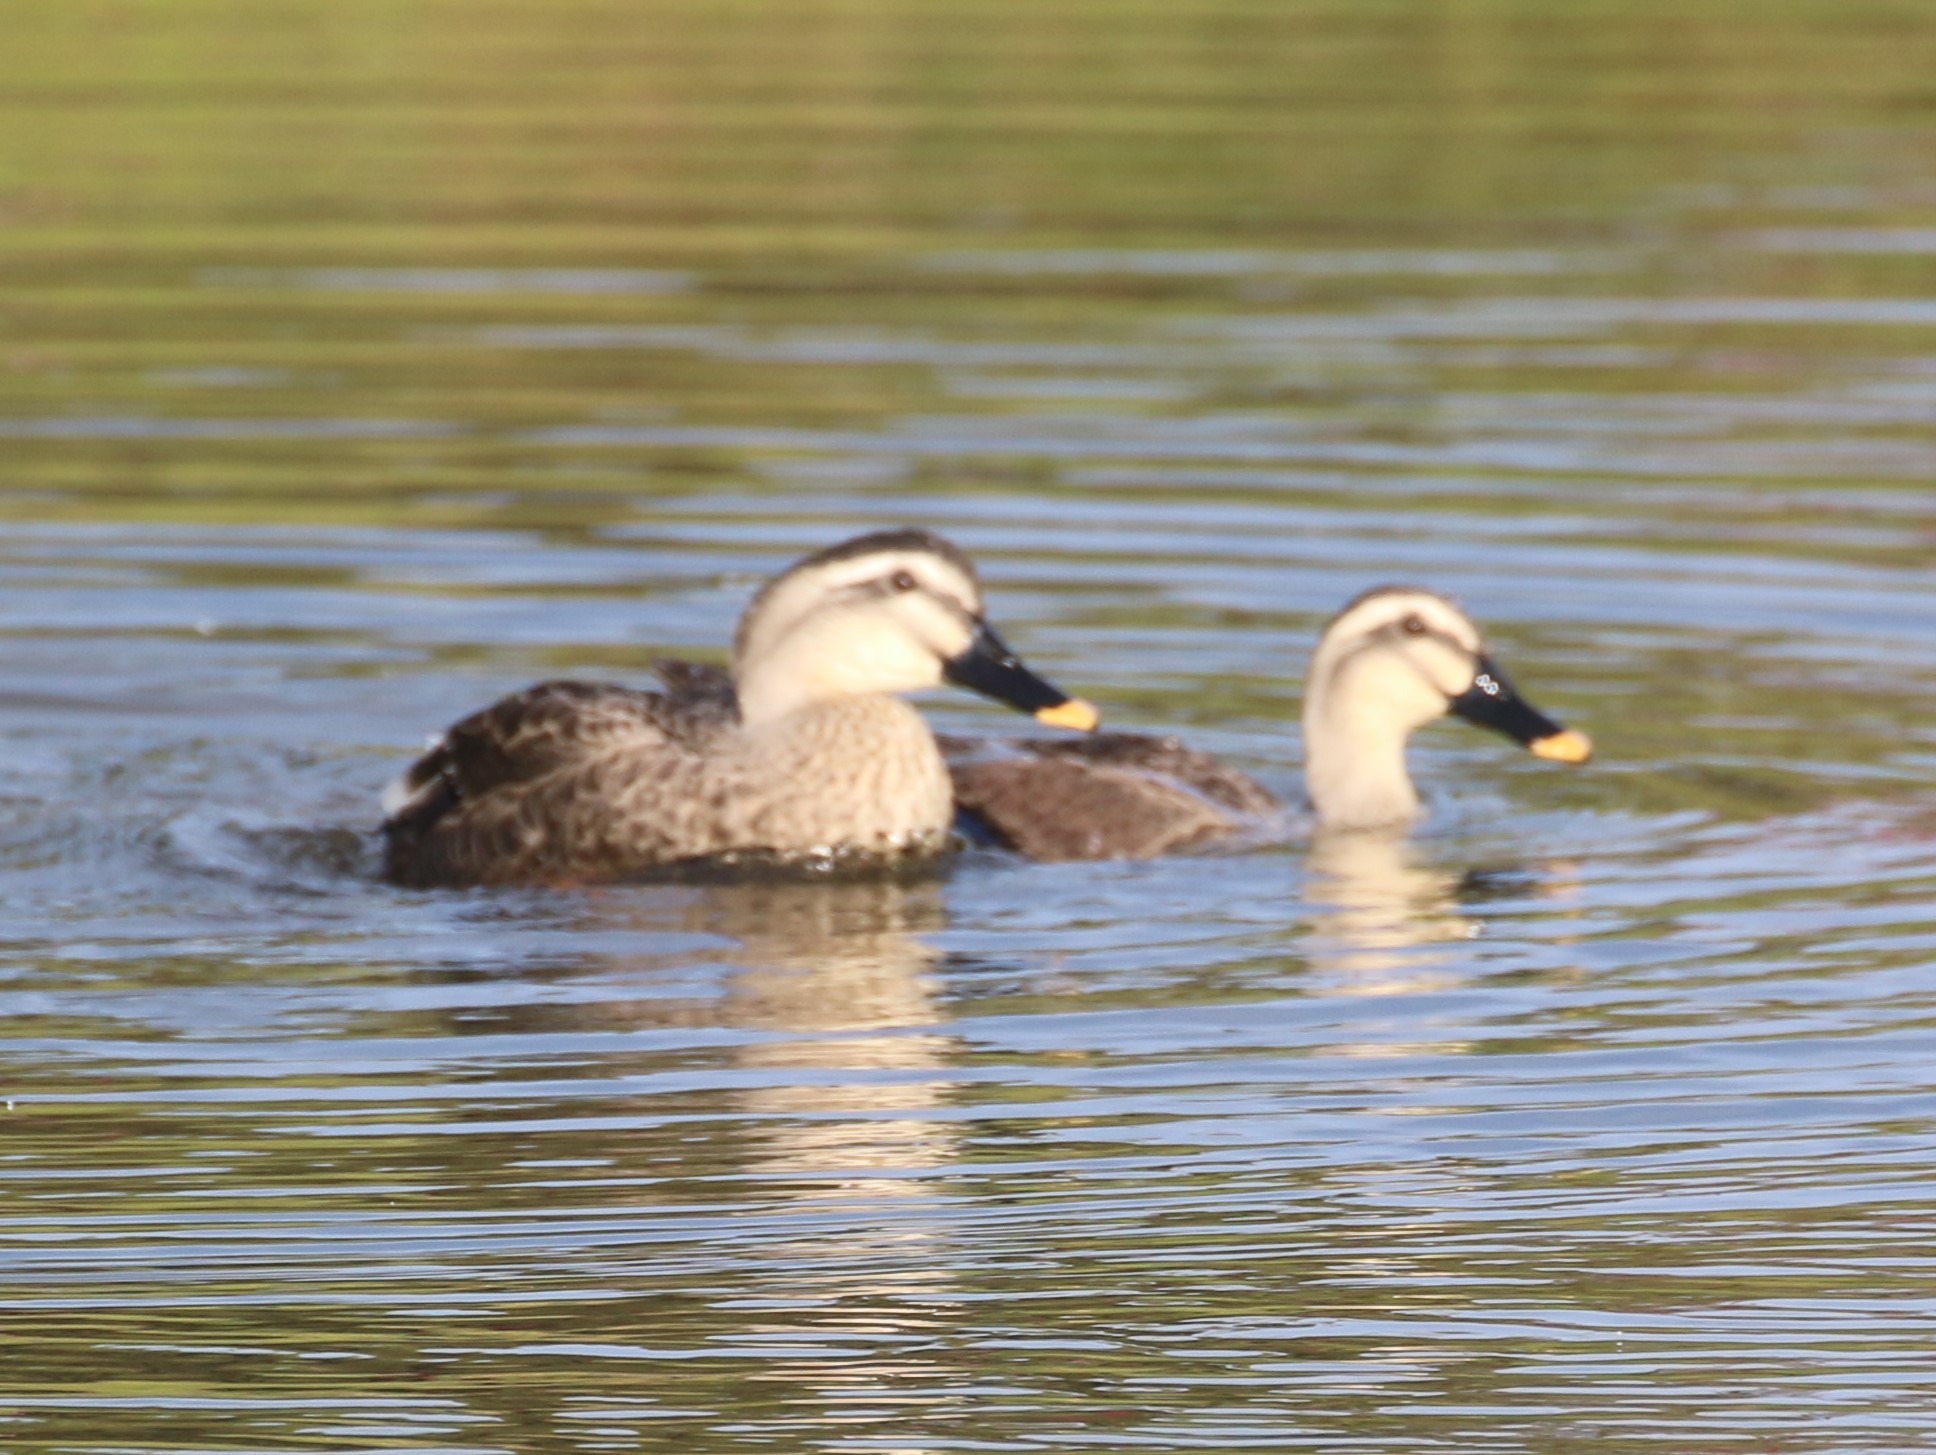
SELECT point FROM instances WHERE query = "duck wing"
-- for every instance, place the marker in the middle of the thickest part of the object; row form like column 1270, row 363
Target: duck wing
column 1109, row 796
column 520, row 784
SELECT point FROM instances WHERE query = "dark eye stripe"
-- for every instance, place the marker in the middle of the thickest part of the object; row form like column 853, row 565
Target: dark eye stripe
column 904, row 582
column 1396, row 632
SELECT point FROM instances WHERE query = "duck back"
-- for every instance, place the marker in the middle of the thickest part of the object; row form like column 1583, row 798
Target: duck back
column 1111, row 796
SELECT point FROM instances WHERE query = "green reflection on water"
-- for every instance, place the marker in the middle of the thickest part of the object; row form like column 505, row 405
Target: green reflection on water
column 178, row 182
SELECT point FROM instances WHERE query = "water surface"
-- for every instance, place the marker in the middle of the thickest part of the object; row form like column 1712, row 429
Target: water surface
column 360, row 363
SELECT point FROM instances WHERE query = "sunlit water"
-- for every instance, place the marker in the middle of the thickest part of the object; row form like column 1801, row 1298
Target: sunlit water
column 354, row 370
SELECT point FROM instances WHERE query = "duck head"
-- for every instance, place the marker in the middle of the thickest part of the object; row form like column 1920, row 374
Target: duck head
column 890, row 612
column 1394, row 659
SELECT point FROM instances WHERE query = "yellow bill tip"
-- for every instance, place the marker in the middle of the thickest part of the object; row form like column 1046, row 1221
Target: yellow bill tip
column 1565, row 746
column 1074, row 713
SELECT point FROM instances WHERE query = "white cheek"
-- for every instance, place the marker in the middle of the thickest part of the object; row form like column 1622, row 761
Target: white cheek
column 916, row 661
column 938, row 630
column 1451, row 674
column 891, row 659
column 1402, row 691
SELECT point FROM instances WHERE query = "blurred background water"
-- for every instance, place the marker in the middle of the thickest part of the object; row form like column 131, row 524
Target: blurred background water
column 360, row 361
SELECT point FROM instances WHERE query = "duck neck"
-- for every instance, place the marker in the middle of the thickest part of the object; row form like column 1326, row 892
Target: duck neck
column 815, row 724
column 766, row 697
column 1354, row 766
column 868, row 735
column 771, row 690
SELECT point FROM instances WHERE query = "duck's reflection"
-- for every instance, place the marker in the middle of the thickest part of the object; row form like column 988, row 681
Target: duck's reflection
column 841, row 970
column 1379, row 907
column 1388, row 920
column 838, row 977
column 837, row 1117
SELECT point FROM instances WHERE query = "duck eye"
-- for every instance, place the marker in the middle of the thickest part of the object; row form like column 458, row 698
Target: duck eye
column 903, row 581
column 1415, row 625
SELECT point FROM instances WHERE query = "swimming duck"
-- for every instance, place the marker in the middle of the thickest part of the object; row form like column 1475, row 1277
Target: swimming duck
column 1394, row 659
column 805, row 750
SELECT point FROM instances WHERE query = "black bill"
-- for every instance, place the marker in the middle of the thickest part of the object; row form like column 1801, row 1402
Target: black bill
column 1492, row 703
column 990, row 668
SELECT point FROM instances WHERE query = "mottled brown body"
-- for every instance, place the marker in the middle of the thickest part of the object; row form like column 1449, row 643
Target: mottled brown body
column 573, row 781
column 1111, row 796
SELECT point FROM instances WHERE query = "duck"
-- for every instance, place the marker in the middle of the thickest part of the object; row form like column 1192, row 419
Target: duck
column 803, row 750
column 1393, row 659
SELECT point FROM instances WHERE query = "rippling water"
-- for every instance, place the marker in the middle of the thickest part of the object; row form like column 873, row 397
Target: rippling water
column 360, row 363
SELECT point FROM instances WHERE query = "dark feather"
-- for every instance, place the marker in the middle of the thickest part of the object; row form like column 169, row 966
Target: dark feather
column 1111, row 796
column 699, row 686
column 552, row 744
